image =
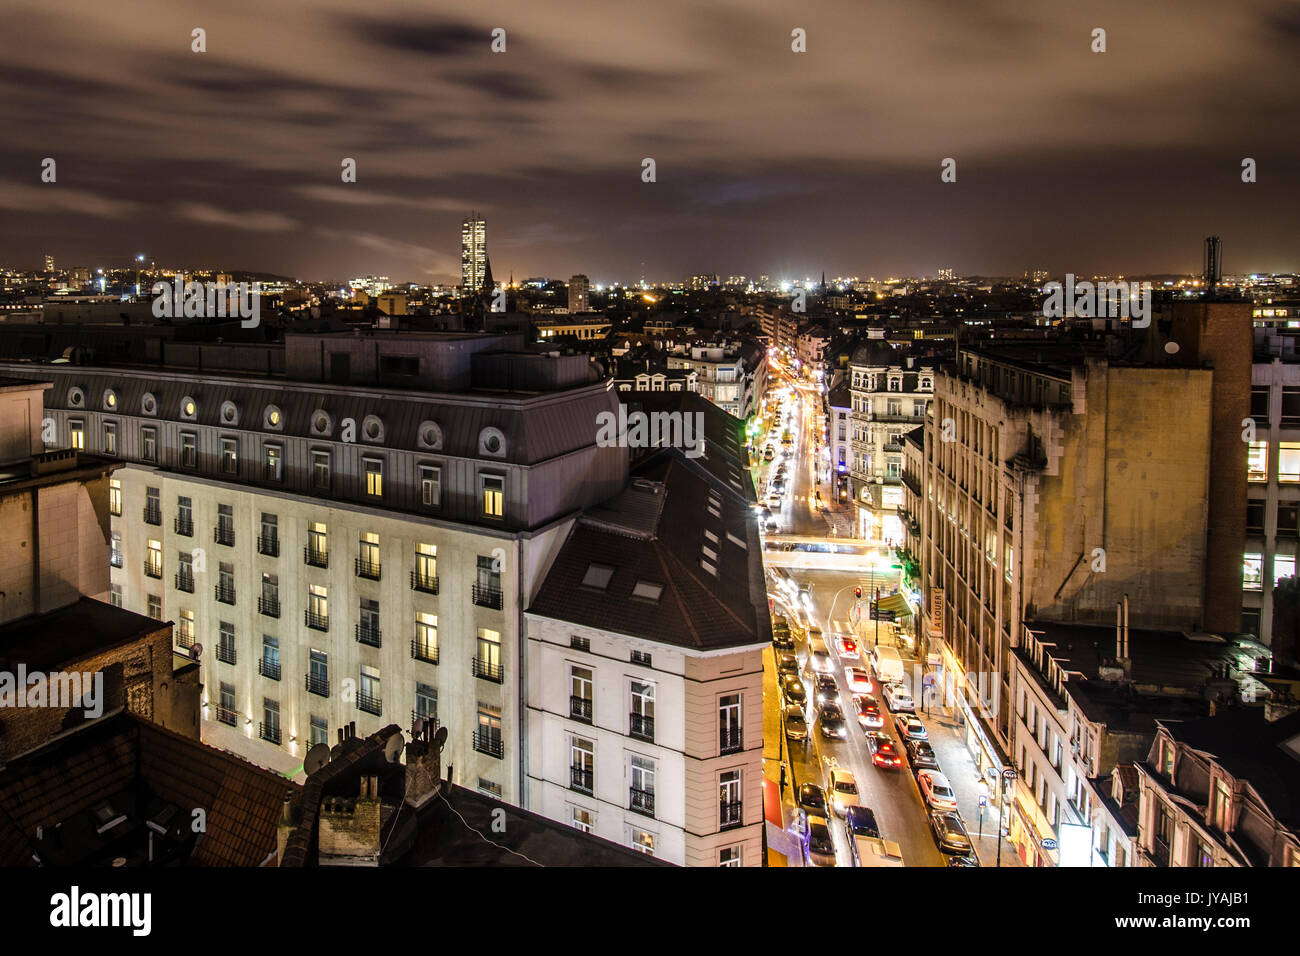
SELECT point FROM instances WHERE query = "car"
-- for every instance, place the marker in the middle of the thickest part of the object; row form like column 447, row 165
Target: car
column 821, row 849
column 861, row 821
column 792, row 690
column 831, row 719
column 883, row 751
column 841, row 790
column 796, row 726
column 845, row 646
column 772, row 526
column 909, row 727
column 787, row 663
column 921, row 755
column 859, row 680
column 811, row 798
column 774, row 499
column 869, row 715
column 970, row 859
column 825, row 690
column 898, row 699
column 936, row 791
column 818, row 659
column 783, row 640
column 949, row 833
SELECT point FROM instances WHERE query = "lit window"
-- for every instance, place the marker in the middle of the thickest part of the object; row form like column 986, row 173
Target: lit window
column 430, row 486
column 1288, row 461
column 374, row 477
column 1283, row 567
column 230, row 456
column 493, row 496
column 1257, row 461
column 115, row 496
column 76, row 434
column 1252, row 577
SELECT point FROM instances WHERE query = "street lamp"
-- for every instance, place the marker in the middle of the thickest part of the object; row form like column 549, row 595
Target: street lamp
column 1007, row 776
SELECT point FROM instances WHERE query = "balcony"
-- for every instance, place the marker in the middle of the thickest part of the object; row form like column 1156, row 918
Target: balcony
column 269, row 668
column 371, row 705
column 485, row 596
column 893, row 447
column 316, row 557
column 641, row 726
column 489, row 742
column 642, row 801
column 269, row 732
column 184, row 642
column 730, row 740
column 268, row 606
column 185, row 581
column 183, row 525
column 487, row 670
column 581, row 780
column 317, row 622
column 580, row 708
column 320, row 686
column 368, row 634
column 428, row 583
column 227, row 716
column 224, row 535
column 730, row 815
column 367, row 569
column 225, row 593
column 269, row 545
column 225, row 652
column 424, row 651
column 152, row 514
column 153, row 569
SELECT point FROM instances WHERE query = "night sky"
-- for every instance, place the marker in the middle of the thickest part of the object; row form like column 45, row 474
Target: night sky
column 768, row 161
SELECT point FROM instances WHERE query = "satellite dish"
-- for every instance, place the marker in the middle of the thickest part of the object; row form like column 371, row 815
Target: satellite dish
column 317, row 757
column 196, row 651
column 335, row 751
column 417, row 728
column 393, row 749
column 440, row 738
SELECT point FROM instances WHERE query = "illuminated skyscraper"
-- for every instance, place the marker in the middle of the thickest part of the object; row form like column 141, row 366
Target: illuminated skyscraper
column 579, row 293
column 473, row 253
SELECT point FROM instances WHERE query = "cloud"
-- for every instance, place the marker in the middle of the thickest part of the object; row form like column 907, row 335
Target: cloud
column 257, row 220
column 49, row 198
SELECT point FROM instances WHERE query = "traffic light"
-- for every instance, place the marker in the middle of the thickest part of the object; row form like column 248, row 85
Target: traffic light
column 858, row 592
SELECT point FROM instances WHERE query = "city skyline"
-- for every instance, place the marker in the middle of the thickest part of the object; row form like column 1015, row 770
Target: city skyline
column 218, row 156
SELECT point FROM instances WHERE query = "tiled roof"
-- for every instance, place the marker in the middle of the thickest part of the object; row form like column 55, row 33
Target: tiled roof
column 50, row 785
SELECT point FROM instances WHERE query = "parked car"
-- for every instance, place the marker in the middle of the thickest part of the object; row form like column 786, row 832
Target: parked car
column 782, row 638
column 812, row 798
column 936, row 791
column 792, row 690
column 861, row 821
column 821, row 848
column 898, row 699
column 921, row 755
column 950, row 833
column 845, row 646
column 825, row 689
column 883, row 751
column 818, row 658
column 869, row 716
column 831, row 719
column 787, row 663
column 909, row 727
column 859, row 680
column 796, row 726
column 841, row 790
column 970, row 859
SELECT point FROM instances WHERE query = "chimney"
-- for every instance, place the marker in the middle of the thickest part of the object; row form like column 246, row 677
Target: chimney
column 423, row 768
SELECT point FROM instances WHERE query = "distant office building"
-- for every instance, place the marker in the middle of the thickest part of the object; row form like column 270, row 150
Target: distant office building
column 732, row 374
column 579, row 294
column 473, row 253
column 49, row 263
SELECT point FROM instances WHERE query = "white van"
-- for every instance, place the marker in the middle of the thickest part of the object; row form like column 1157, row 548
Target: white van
column 887, row 665
column 873, row 851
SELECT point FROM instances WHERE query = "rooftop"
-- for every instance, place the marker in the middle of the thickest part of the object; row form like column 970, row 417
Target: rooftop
column 76, row 631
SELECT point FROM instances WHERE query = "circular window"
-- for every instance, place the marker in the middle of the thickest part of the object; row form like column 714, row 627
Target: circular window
column 372, row 427
column 189, row 408
column 321, row 424
column 148, row 404
column 430, row 435
column 492, row 442
column 272, row 417
column 76, row 397
column 110, row 398
column 230, row 413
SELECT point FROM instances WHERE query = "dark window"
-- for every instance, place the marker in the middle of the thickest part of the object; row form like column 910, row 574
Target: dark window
column 1259, row 405
column 399, row 365
column 1254, row 517
column 1290, row 406
column 1288, row 517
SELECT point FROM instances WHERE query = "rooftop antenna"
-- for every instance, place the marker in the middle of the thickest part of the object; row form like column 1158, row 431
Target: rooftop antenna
column 1212, row 267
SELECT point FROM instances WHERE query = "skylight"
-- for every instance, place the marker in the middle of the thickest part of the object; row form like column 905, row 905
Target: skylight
column 597, row 576
column 648, row 590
